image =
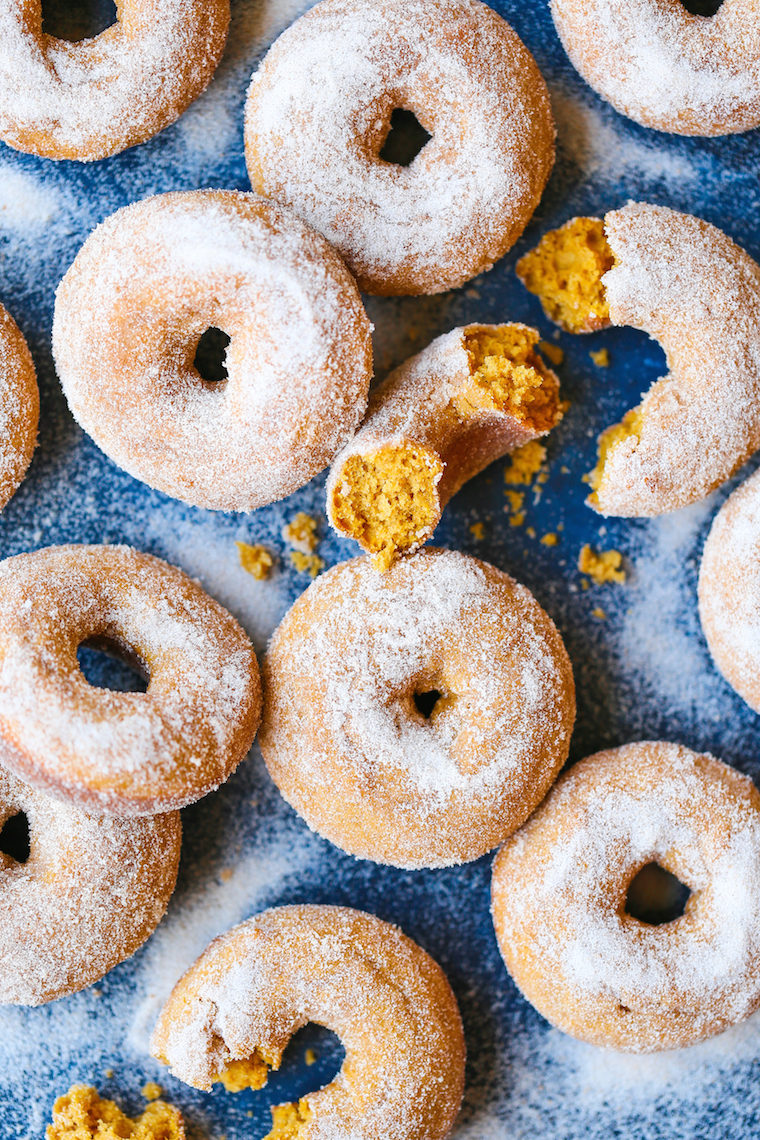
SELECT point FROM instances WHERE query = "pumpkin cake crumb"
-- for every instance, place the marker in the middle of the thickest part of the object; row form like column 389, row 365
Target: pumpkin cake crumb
column 255, row 560
column 601, row 358
column 301, row 533
column 602, row 566
column 552, row 352
column 82, row 1115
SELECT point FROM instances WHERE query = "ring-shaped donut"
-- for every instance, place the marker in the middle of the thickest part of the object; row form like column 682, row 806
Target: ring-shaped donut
column 125, row 753
column 673, row 70
column 416, row 717
column 231, row 1015
column 560, row 899
column 298, row 363
column 19, row 407
column 91, row 890
column 96, row 97
column 473, row 86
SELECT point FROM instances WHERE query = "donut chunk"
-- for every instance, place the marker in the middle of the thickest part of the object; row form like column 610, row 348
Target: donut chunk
column 129, row 315
column 94, row 98
column 470, row 397
column 386, row 999
column 19, row 407
column 729, row 590
column 560, row 887
column 81, row 1114
column 664, row 67
column 416, row 718
column 121, row 753
column 472, row 85
column 698, row 294
column 89, row 894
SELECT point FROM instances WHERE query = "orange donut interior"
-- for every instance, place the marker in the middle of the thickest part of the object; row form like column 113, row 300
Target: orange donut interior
column 387, row 499
column 252, row 1073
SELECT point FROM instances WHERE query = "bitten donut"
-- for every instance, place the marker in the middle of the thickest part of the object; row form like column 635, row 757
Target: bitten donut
column 560, row 899
column 469, row 397
column 91, row 890
column 232, row 1014
column 673, row 71
column 729, row 590
column 472, row 85
column 19, row 406
column 698, row 294
column 417, row 717
column 116, row 752
column 129, row 315
column 94, row 98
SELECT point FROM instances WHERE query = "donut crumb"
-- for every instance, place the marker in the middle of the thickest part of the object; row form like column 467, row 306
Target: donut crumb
column 255, row 560
column 601, row 358
column 565, row 272
column 603, row 566
column 287, row 1120
column 301, row 533
column 525, row 463
column 81, row 1114
column 152, row 1091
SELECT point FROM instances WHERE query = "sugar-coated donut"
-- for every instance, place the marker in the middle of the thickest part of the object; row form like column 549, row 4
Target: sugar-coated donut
column 729, row 590
column 470, row 397
column 19, row 406
column 417, row 717
column 232, row 1014
column 471, row 83
column 90, row 892
column 659, row 64
column 698, row 294
column 93, row 98
column 129, row 314
column 560, row 899
column 122, row 753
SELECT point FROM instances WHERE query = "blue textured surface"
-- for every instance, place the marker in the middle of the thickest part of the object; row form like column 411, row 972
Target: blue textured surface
column 642, row 672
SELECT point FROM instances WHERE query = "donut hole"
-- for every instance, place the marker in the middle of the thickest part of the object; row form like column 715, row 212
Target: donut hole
column 702, row 7
column 14, row 838
column 210, row 360
column 426, row 702
column 107, row 664
column 565, row 272
column 656, row 896
column 406, row 138
column 76, row 20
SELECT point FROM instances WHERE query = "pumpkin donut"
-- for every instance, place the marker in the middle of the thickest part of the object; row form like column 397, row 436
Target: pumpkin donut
column 470, row 397
column 164, row 271
column 232, row 1014
column 416, row 717
column 673, row 71
column 698, row 294
column 94, row 98
column 472, row 85
column 729, row 590
column 19, row 407
column 560, row 899
column 91, row 890
column 115, row 752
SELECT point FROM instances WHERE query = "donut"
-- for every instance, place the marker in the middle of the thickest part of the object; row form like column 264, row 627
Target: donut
column 729, row 590
column 698, row 294
column 94, row 98
column 81, row 1114
column 470, row 397
column 133, row 307
column 416, row 718
column 116, row 752
column 560, row 906
column 90, row 892
column 471, row 84
column 19, row 406
column 672, row 70
column 231, row 1015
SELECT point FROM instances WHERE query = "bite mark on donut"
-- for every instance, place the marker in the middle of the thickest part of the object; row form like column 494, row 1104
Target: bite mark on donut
column 248, row 1072
column 629, row 428
column 565, row 272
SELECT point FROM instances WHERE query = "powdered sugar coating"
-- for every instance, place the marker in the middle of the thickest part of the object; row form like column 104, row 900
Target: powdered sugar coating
column 299, row 360
column 664, row 67
column 116, row 752
column 347, row 747
column 92, row 890
column 19, row 407
column 93, row 98
column 729, row 590
column 698, row 294
column 559, row 898
column 386, row 999
column 472, row 84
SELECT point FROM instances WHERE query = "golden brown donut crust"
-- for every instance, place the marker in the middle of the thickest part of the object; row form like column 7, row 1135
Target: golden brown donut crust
column 19, row 407
column 116, row 752
column 349, row 749
column 386, row 999
column 559, row 899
